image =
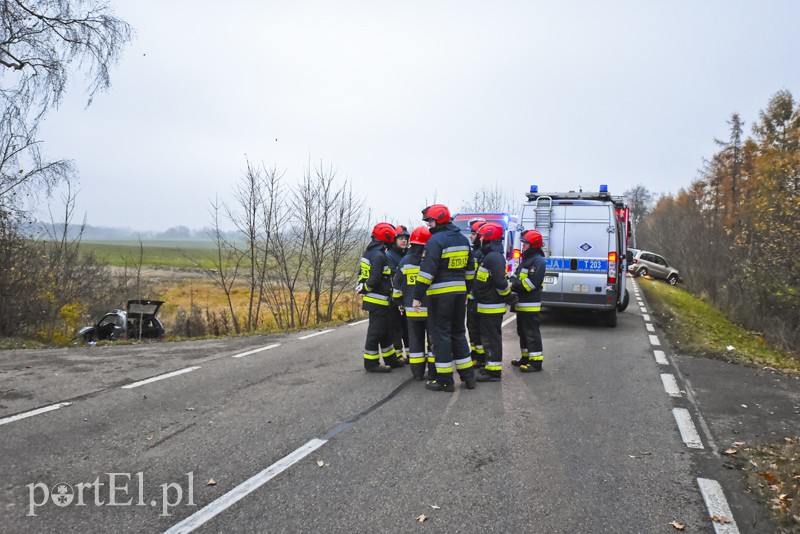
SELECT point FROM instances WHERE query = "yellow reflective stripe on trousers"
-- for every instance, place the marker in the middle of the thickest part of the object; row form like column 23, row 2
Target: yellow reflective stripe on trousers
column 494, row 366
column 464, row 363
column 491, row 308
column 416, row 357
column 422, row 313
column 371, row 356
column 536, row 356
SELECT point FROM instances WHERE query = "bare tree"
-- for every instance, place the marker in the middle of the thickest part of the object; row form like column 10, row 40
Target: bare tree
column 640, row 202
column 488, row 199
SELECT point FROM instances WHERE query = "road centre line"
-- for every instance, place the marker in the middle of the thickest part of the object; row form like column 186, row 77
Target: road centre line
column 654, row 340
column 358, row 322
column 670, row 385
column 245, row 488
column 512, row 318
column 717, row 506
column 249, row 352
column 686, row 427
column 37, row 411
column 661, row 358
column 160, row 377
column 316, row 334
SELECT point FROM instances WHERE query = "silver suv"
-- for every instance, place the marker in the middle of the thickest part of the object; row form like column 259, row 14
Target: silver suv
column 648, row 263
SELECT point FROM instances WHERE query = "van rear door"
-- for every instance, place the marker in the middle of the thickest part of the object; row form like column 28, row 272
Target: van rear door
column 589, row 235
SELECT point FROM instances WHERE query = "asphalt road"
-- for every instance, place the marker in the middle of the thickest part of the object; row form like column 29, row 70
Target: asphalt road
column 287, row 433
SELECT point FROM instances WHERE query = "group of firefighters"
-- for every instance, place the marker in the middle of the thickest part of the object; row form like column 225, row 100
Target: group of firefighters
column 424, row 290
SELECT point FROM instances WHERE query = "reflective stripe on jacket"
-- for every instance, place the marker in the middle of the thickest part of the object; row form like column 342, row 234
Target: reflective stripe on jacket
column 447, row 264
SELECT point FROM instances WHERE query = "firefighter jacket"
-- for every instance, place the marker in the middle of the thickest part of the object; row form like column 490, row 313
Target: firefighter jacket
column 447, row 263
column 376, row 277
column 527, row 281
column 405, row 279
column 491, row 287
column 394, row 255
column 477, row 255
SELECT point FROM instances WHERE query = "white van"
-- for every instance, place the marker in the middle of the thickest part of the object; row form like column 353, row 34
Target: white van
column 585, row 242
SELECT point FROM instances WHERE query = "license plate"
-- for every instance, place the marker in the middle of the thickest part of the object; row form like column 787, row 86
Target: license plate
column 549, row 279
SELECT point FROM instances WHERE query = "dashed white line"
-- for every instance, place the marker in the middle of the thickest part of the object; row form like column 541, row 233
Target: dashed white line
column 37, row 411
column 643, row 309
column 650, row 327
column 670, row 385
column 661, row 358
column 512, row 318
column 245, row 488
column 646, row 317
column 654, row 340
column 249, row 352
column 358, row 322
column 686, row 427
column 160, row 377
column 717, row 506
column 316, row 334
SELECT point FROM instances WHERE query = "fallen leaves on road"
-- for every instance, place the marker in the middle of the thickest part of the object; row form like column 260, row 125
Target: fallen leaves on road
column 422, row 518
column 730, row 451
column 211, row 482
column 320, row 463
column 677, row 526
column 150, row 437
column 435, row 507
column 720, row 519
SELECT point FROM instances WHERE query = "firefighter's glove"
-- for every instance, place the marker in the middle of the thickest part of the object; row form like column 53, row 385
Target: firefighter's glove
column 516, row 285
column 360, row 288
column 512, row 299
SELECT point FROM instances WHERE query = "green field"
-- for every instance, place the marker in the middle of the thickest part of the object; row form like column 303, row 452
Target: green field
column 171, row 254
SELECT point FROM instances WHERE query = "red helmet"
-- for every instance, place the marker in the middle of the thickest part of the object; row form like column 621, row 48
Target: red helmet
column 420, row 235
column 401, row 230
column 533, row 237
column 491, row 231
column 384, row 231
column 476, row 223
column 436, row 212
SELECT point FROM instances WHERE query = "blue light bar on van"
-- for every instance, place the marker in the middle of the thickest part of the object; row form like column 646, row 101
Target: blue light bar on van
column 603, row 188
column 534, row 189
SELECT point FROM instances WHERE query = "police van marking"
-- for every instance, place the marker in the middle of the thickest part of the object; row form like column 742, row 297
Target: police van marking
column 584, row 265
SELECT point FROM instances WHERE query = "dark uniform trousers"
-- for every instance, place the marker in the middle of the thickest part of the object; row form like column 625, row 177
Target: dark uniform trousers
column 491, row 327
column 530, row 338
column 446, row 322
column 474, row 329
column 379, row 339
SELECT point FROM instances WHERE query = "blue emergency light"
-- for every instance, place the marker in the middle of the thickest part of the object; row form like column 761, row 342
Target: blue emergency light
column 603, row 188
column 534, row 189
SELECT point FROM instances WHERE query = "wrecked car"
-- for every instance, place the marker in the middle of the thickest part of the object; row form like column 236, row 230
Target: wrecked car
column 138, row 321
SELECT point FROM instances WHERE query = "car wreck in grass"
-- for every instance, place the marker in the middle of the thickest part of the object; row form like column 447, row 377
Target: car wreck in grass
column 137, row 321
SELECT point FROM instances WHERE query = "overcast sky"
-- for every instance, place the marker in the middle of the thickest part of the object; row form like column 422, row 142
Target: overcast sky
column 417, row 100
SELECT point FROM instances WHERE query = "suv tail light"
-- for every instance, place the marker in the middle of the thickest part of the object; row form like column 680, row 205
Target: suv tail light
column 612, row 267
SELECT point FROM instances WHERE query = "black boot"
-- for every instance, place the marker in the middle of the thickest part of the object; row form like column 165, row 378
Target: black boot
column 378, row 369
column 524, row 360
column 433, row 385
column 532, row 367
column 488, row 376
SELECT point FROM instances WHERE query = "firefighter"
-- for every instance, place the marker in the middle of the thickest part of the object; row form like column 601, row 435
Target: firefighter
column 375, row 284
column 491, row 289
column 405, row 278
column 473, row 327
column 527, row 284
column 397, row 318
column 446, row 270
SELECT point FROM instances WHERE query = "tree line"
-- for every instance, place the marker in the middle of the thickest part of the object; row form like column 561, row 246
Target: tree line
column 734, row 233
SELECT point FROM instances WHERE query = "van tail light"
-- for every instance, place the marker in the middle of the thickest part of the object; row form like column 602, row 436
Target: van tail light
column 612, row 267
column 516, row 253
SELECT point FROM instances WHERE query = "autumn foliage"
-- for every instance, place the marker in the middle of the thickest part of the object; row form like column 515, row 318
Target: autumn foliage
column 734, row 233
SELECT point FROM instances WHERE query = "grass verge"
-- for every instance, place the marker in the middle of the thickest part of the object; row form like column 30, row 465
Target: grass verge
column 698, row 328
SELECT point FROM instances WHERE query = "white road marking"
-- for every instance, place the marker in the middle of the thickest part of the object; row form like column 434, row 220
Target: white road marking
column 670, row 385
column 717, row 506
column 31, row 413
column 160, row 377
column 654, row 340
column 686, row 427
column 643, row 309
column 512, row 318
column 316, row 334
column 646, row 317
column 661, row 358
column 359, row 322
column 249, row 352
column 245, row 488
column 650, row 327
